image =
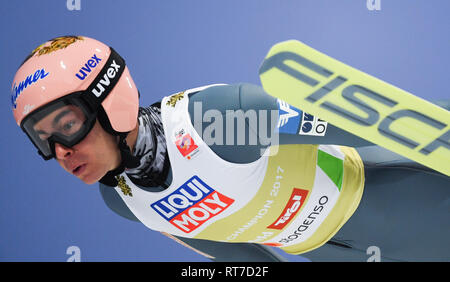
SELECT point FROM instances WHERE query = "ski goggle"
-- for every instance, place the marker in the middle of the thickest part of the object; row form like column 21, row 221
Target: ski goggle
column 66, row 121
column 69, row 119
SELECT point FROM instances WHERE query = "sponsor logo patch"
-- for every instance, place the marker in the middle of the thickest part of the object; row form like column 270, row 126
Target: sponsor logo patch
column 292, row 120
column 191, row 205
column 289, row 119
column 185, row 144
column 292, row 207
column 312, row 125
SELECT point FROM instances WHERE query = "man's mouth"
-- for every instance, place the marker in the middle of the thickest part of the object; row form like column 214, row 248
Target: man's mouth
column 79, row 170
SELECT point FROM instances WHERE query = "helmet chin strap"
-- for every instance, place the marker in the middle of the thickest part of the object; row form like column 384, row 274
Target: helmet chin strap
column 127, row 161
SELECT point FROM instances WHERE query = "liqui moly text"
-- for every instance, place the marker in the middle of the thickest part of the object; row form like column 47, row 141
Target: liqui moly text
column 191, row 205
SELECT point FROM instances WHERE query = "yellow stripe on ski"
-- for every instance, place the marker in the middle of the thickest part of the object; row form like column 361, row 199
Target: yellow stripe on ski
column 358, row 103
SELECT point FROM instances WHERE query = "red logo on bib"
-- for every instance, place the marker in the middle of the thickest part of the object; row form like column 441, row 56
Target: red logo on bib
column 185, row 144
column 293, row 206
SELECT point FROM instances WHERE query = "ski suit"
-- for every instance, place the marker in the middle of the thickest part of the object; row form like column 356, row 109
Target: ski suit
column 403, row 211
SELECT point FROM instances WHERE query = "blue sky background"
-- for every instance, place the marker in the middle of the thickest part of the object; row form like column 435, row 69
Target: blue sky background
column 170, row 46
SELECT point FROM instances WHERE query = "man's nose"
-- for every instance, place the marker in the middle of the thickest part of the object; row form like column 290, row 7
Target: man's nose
column 62, row 152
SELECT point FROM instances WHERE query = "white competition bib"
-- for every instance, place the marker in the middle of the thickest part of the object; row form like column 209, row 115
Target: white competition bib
column 296, row 199
column 200, row 191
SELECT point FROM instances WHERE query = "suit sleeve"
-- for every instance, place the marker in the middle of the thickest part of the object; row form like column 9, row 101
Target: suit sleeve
column 222, row 104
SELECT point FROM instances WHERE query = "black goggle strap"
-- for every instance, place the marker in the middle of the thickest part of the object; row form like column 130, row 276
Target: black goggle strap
column 105, row 81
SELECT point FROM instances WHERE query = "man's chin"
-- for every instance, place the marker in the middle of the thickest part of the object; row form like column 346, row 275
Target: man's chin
column 89, row 179
column 89, row 182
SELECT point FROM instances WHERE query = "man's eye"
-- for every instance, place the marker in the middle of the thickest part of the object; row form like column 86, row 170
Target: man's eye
column 67, row 126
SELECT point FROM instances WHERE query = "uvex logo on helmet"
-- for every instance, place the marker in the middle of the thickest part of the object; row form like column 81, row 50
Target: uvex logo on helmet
column 110, row 74
column 88, row 66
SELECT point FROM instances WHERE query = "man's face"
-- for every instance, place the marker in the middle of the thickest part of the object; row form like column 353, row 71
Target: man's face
column 90, row 159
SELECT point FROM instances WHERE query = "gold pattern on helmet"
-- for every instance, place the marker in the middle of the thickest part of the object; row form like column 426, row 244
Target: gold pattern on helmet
column 57, row 43
column 175, row 98
column 126, row 190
